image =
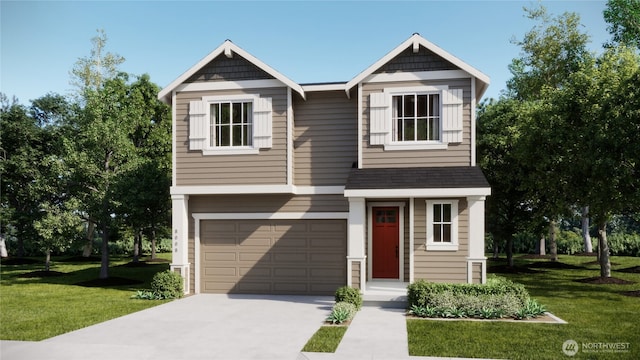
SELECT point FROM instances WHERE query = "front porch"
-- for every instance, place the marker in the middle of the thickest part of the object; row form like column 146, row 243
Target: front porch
column 385, row 293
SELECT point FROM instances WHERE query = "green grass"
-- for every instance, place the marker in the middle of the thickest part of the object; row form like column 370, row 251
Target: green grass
column 326, row 339
column 38, row 308
column 596, row 314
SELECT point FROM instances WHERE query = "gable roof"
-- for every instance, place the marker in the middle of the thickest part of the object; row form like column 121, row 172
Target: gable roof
column 415, row 41
column 227, row 48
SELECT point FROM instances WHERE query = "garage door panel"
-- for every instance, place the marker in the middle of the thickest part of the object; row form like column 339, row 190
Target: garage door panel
column 253, row 257
column 256, row 272
column 273, row 256
column 282, row 258
column 220, row 256
column 221, row 271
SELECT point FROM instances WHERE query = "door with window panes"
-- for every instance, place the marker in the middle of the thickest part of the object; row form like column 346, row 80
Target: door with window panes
column 385, row 243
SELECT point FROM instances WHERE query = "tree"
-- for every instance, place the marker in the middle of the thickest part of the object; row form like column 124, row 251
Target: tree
column 59, row 226
column 623, row 17
column 32, row 172
column 145, row 187
column 100, row 152
column 553, row 48
column 498, row 140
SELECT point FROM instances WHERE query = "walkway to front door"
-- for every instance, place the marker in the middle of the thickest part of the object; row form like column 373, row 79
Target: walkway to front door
column 386, row 243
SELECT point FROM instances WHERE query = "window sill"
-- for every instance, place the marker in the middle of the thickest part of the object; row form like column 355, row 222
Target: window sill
column 398, row 146
column 236, row 151
column 442, row 247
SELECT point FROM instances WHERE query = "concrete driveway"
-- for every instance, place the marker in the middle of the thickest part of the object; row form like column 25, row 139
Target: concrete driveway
column 197, row 327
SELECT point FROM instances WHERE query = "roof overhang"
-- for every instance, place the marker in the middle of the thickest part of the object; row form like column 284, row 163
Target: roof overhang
column 415, row 41
column 429, row 182
column 228, row 49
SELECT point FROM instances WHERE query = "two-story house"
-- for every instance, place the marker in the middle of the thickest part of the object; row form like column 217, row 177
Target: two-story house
column 286, row 188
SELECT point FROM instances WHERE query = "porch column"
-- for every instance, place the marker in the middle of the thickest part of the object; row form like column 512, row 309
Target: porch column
column 180, row 238
column 476, row 259
column 355, row 243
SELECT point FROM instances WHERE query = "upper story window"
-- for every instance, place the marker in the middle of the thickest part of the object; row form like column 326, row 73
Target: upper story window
column 230, row 125
column 416, row 117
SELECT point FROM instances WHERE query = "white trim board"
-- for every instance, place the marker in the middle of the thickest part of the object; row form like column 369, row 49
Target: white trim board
column 256, row 189
column 271, row 216
column 426, row 193
column 229, row 85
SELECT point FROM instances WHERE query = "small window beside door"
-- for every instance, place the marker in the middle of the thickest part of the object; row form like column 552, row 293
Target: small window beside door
column 442, row 225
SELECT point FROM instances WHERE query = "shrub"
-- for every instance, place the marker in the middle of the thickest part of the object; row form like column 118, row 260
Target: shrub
column 341, row 312
column 621, row 244
column 350, row 295
column 499, row 297
column 167, row 285
column 531, row 310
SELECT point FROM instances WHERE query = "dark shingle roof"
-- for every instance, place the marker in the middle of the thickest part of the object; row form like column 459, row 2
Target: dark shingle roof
column 417, row 178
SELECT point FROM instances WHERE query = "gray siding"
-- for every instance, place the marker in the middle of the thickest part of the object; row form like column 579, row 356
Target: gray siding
column 355, row 274
column 440, row 266
column 454, row 155
column 223, row 68
column 267, row 167
column 424, row 60
column 325, row 139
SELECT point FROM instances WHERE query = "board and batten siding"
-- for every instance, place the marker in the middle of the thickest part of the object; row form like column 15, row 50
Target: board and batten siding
column 325, row 138
column 269, row 167
column 440, row 266
column 457, row 154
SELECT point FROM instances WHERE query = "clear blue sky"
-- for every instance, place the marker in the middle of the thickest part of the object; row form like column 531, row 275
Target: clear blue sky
column 310, row 41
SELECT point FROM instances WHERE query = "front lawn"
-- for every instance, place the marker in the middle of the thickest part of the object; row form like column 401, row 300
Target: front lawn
column 38, row 307
column 597, row 314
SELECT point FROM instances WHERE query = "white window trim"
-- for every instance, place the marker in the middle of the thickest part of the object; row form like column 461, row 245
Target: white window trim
column 228, row 150
column 438, row 246
column 392, row 145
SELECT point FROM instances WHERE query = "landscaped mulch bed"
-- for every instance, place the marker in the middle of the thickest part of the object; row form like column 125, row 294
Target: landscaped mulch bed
column 535, row 256
column 547, row 318
column 596, row 262
column 594, row 254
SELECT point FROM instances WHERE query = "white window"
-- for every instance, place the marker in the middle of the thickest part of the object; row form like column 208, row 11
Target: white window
column 442, row 225
column 230, row 125
column 416, row 117
column 419, row 118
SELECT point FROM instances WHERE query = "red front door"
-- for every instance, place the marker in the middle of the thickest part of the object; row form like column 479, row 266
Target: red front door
column 386, row 243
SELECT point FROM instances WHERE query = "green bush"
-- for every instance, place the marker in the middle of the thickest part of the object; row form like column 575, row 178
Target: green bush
column 621, row 244
column 350, row 295
column 569, row 242
column 499, row 294
column 341, row 312
column 167, row 285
